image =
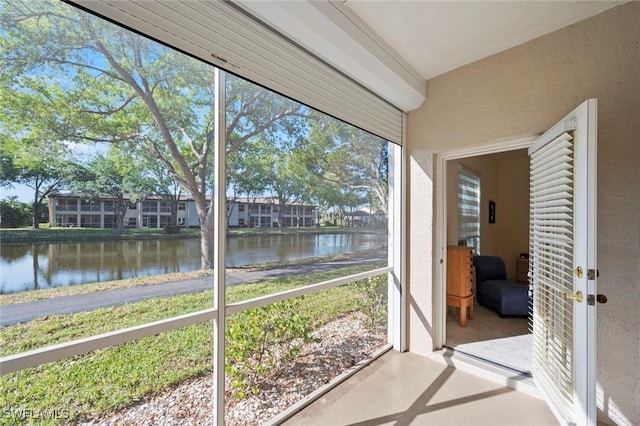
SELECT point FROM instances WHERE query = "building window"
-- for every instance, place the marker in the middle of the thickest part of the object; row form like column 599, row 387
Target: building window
column 152, row 221
column 89, row 206
column 67, row 204
column 469, row 209
column 150, row 206
column 182, row 205
column 109, row 221
column 90, row 221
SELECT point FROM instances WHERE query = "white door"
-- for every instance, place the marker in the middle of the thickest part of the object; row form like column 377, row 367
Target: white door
column 563, row 268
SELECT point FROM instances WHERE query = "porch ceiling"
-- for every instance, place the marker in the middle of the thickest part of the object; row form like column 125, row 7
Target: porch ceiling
column 438, row 36
column 405, row 43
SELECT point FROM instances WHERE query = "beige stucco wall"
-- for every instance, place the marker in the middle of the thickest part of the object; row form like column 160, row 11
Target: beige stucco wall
column 512, row 210
column 524, row 91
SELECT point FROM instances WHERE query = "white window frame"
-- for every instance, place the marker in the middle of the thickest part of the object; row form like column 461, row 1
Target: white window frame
column 471, row 239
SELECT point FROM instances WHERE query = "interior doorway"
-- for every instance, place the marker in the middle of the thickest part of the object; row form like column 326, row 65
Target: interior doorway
column 503, row 222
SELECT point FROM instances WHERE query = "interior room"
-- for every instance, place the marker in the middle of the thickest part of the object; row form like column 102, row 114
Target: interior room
column 503, row 232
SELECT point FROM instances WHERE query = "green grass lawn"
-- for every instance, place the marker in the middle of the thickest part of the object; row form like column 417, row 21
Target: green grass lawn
column 106, row 380
column 51, row 235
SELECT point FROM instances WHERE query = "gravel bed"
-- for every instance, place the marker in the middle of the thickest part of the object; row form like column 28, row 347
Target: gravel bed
column 337, row 346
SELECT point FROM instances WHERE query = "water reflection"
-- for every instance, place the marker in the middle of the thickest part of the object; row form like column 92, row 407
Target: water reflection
column 33, row 266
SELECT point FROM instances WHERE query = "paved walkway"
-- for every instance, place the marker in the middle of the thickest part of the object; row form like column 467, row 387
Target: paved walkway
column 26, row 311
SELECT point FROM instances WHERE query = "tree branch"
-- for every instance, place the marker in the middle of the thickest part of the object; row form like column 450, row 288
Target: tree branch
column 238, row 142
column 114, row 110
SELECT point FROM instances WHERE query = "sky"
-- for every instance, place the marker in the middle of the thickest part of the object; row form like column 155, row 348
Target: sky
column 24, row 193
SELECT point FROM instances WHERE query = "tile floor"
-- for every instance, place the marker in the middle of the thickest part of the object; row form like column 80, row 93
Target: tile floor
column 408, row 389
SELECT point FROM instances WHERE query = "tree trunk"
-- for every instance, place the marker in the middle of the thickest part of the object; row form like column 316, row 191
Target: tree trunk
column 281, row 215
column 120, row 211
column 207, row 252
column 173, row 207
column 36, row 213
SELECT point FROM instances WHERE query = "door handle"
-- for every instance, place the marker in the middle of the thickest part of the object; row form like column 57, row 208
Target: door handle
column 579, row 297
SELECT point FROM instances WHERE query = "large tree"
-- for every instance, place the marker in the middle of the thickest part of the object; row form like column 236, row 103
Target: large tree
column 42, row 165
column 246, row 168
column 120, row 178
column 286, row 180
column 344, row 164
column 123, row 88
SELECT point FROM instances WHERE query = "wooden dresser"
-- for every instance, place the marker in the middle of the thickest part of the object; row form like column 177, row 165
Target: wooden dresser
column 460, row 281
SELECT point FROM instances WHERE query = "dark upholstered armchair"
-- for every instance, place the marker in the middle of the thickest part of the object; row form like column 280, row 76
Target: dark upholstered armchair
column 494, row 291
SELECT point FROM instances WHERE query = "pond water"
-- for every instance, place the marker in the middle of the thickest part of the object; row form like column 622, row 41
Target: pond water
column 26, row 267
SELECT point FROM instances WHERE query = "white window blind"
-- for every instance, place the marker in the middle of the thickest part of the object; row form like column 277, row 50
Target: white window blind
column 469, row 209
column 223, row 35
column 551, row 266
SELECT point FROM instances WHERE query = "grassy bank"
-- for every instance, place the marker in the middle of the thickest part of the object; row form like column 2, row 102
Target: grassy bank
column 47, row 234
column 106, row 380
column 55, row 235
column 49, row 293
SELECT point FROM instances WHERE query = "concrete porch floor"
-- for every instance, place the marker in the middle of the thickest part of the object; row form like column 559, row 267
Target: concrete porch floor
column 407, row 389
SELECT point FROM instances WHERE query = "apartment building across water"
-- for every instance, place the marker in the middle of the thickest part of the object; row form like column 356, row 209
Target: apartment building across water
column 81, row 210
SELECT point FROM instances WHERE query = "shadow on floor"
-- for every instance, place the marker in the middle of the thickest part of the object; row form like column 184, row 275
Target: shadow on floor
column 407, row 389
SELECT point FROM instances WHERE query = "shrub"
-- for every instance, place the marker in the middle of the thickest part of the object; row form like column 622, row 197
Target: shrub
column 373, row 294
column 171, row 229
column 15, row 214
column 259, row 341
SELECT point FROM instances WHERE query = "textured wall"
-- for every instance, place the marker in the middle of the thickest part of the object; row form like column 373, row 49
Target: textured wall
column 512, row 210
column 523, row 91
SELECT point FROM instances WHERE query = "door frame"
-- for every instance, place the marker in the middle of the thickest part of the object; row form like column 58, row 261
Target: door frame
column 440, row 249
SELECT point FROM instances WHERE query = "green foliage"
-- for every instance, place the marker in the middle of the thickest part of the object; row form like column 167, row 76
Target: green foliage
column 109, row 379
column 260, row 340
column 15, row 214
column 373, row 293
column 104, row 381
column 34, row 161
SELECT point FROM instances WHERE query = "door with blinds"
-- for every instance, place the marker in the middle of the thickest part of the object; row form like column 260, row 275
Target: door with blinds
column 563, row 270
